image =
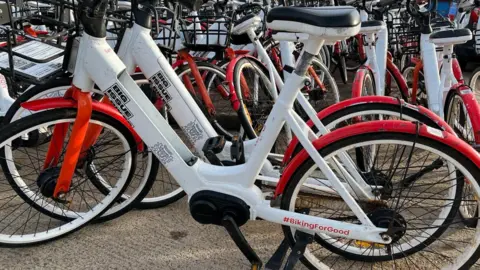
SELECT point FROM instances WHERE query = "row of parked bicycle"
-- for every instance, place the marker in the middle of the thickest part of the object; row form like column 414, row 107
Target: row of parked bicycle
column 110, row 106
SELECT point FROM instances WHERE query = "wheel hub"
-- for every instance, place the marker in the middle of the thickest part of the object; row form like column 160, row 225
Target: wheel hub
column 47, row 180
column 379, row 179
column 391, row 220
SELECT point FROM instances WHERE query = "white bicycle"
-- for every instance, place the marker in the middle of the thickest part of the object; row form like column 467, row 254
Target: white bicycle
column 402, row 225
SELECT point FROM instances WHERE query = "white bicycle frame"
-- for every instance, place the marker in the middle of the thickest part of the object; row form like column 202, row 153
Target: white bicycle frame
column 355, row 181
column 5, row 99
column 98, row 64
column 137, row 48
column 437, row 85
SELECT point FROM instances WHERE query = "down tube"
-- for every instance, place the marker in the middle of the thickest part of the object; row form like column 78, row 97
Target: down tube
column 167, row 84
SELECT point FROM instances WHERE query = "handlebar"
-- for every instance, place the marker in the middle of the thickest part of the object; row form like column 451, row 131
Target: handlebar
column 417, row 13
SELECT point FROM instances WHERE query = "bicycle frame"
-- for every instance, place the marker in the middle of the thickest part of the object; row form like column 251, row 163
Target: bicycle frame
column 193, row 175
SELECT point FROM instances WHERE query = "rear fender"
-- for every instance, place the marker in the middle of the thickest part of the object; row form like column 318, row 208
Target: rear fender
column 372, row 127
column 359, row 100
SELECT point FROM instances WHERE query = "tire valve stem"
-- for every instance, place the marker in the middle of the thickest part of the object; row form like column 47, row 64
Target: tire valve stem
column 62, row 199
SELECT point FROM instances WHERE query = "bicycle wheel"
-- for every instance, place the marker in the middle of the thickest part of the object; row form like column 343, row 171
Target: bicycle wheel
column 254, row 93
column 419, row 202
column 458, row 118
column 323, row 90
column 150, row 186
column 369, row 111
column 225, row 120
column 325, row 56
column 29, row 213
column 422, row 98
column 342, row 68
column 367, row 86
column 474, row 83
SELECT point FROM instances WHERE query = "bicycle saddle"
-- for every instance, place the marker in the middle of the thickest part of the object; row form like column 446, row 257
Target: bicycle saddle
column 334, row 22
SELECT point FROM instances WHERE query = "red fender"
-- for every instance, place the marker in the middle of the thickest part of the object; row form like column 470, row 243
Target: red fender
column 415, row 60
column 397, row 74
column 457, row 71
column 60, row 102
column 366, row 99
column 357, row 84
column 229, row 79
column 376, row 126
column 472, row 106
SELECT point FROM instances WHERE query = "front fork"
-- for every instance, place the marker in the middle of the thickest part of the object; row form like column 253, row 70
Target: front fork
column 75, row 144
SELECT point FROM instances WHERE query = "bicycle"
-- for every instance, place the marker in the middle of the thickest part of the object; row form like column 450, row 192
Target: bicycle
column 226, row 195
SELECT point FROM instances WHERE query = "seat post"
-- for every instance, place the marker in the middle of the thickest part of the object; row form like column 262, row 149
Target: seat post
column 313, row 45
column 311, row 48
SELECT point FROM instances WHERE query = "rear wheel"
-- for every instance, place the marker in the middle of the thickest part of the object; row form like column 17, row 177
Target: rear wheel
column 420, row 212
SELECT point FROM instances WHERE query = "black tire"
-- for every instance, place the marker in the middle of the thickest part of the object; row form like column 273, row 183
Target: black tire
column 453, row 153
column 50, row 116
column 456, row 116
column 318, row 100
column 342, row 68
column 225, row 118
column 35, row 138
column 246, row 113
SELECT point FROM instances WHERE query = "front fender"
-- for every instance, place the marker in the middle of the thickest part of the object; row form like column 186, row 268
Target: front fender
column 60, row 102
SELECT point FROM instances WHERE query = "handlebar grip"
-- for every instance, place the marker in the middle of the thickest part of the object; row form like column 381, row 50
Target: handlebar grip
column 384, row 3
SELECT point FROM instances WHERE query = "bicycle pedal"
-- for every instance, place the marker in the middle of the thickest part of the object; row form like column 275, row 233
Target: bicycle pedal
column 212, row 147
column 316, row 94
column 237, row 152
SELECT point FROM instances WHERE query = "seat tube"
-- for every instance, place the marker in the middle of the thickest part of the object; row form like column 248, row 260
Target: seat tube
column 432, row 78
column 371, row 55
column 286, row 51
column 381, row 53
column 447, row 71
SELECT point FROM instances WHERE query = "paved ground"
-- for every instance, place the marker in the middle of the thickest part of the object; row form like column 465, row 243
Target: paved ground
column 166, row 238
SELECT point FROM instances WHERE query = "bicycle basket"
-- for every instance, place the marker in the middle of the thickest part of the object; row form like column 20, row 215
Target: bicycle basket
column 33, row 39
column 206, row 32
column 163, row 29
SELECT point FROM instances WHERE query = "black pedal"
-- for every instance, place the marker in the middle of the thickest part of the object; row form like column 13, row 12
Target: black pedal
column 237, row 236
column 237, row 152
column 212, row 147
column 316, row 94
column 288, row 69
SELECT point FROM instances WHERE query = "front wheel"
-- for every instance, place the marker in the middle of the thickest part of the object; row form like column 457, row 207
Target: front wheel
column 28, row 212
column 420, row 213
column 459, row 119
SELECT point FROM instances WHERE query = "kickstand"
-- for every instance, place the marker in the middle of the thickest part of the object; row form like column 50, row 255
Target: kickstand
column 301, row 241
column 237, row 236
column 276, row 260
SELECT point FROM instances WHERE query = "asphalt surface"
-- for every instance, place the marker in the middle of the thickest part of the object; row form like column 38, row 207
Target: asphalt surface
column 166, row 238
